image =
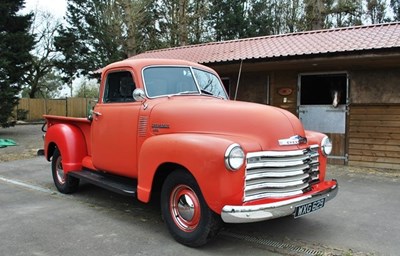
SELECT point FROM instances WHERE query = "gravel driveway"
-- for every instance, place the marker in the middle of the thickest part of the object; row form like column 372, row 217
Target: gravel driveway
column 28, row 138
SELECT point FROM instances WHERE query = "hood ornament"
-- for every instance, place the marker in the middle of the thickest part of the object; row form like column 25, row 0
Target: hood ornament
column 294, row 140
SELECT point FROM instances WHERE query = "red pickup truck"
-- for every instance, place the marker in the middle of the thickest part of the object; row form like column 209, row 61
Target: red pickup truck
column 166, row 129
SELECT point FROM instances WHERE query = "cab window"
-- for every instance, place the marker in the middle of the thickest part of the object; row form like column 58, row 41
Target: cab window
column 119, row 87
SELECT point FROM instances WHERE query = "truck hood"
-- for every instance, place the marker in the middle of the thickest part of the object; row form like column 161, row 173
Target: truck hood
column 261, row 124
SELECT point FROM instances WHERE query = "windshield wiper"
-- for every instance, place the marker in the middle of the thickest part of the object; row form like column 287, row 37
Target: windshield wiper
column 195, row 92
column 206, row 92
column 211, row 94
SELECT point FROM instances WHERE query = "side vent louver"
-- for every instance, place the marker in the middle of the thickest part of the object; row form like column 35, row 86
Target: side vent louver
column 142, row 126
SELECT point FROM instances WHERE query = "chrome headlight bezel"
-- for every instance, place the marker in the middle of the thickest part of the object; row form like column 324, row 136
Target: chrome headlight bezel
column 234, row 157
column 326, row 146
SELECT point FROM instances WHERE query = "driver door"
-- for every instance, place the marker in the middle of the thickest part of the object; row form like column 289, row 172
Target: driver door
column 114, row 126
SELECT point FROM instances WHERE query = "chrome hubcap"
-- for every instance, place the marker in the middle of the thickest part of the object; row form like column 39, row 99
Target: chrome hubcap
column 59, row 171
column 185, row 208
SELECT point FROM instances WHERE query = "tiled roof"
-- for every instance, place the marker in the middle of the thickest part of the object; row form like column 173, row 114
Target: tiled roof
column 340, row 40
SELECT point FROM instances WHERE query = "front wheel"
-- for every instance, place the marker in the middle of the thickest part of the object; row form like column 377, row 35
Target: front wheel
column 189, row 220
column 63, row 182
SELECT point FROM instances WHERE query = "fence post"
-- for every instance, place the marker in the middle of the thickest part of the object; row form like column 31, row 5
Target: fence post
column 45, row 106
column 29, row 107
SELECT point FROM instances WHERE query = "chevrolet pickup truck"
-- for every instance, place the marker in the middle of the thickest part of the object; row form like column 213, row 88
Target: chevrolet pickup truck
column 166, row 129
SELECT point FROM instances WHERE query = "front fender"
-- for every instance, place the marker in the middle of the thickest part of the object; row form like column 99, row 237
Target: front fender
column 202, row 155
column 313, row 138
column 70, row 140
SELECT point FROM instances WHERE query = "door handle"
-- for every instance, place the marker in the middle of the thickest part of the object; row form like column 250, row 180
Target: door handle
column 97, row 113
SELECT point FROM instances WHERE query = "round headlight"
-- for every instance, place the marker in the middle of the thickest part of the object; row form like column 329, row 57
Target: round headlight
column 234, row 157
column 326, row 146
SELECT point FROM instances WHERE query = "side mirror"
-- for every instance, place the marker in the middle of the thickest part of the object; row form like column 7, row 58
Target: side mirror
column 138, row 95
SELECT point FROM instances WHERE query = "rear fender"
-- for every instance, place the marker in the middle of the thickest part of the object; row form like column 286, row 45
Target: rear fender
column 202, row 155
column 70, row 141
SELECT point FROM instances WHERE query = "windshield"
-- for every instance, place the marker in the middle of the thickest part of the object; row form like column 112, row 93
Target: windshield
column 162, row 81
column 209, row 83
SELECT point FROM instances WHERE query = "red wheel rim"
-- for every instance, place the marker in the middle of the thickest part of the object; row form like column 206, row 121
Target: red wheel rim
column 185, row 208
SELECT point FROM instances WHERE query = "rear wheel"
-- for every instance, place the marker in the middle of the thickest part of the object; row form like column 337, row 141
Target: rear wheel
column 189, row 220
column 64, row 183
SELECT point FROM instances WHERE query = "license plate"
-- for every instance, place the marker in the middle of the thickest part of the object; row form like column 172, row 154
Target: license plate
column 304, row 209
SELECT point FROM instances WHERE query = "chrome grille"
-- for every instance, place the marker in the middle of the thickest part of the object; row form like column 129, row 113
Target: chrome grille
column 276, row 174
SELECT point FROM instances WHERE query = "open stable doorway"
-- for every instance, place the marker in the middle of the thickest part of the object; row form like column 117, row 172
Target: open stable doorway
column 322, row 106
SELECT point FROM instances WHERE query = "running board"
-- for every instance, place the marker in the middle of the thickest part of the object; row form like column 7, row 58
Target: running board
column 118, row 184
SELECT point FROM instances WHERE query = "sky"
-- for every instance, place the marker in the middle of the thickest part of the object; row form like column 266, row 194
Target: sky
column 59, row 7
column 56, row 7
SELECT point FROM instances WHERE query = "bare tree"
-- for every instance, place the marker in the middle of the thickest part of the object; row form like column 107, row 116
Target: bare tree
column 44, row 28
column 395, row 5
column 376, row 11
column 184, row 22
column 131, row 16
column 315, row 13
column 199, row 19
column 346, row 13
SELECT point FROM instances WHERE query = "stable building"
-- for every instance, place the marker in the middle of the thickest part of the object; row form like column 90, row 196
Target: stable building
column 344, row 82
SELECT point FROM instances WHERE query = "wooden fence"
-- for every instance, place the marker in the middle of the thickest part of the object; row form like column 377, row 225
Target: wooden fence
column 34, row 109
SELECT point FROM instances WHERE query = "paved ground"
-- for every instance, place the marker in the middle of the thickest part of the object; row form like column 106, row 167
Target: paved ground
column 36, row 220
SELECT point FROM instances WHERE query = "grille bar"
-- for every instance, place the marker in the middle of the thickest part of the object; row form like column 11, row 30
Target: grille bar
column 280, row 173
column 277, row 183
column 272, row 174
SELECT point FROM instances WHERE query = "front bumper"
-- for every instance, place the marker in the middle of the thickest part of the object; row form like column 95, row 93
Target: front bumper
column 254, row 213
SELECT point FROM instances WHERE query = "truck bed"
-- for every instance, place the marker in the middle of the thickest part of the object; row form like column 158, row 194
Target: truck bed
column 82, row 123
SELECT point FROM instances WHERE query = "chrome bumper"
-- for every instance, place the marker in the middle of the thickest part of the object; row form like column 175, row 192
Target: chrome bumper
column 254, row 213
